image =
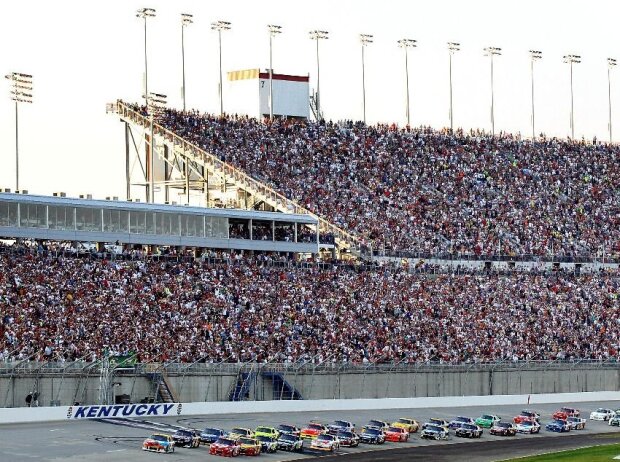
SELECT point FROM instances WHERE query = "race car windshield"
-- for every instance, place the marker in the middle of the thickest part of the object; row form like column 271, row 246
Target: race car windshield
column 247, row 441
column 503, row 425
column 487, row 417
column 315, row 427
column 325, row 438
column 263, row 429
column 404, row 421
column 462, row 419
column 376, row 423
column 372, row 431
column 601, row 410
column 437, row 421
column 469, row 427
column 183, row 433
column 286, row 428
column 527, row 423
column 566, row 409
column 287, row 437
column 159, row 438
column 264, row 438
column 225, row 442
column 340, row 423
column 239, row 431
column 394, row 429
column 434, row 428
column 211, row 431
column 345, row 434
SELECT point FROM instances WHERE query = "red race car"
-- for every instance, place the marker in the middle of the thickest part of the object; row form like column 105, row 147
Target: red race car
column 396, row 434
column 312, row 430
column 227, row 447
column 565, row 412
column 526, row 414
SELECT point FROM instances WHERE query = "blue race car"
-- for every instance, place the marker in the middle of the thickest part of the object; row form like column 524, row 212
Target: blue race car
column 559, row 426
column 211, row 435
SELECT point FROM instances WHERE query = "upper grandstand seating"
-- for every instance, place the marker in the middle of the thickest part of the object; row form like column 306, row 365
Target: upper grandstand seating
column 430, row 191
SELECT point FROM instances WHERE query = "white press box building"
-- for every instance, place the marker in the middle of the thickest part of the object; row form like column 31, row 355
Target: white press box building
column 248, row 93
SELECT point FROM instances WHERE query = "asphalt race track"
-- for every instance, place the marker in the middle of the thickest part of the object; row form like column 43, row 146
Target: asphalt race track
column 120, row 439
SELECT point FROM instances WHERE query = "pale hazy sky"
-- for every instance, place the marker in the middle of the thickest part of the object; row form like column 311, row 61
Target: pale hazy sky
column 84, row 53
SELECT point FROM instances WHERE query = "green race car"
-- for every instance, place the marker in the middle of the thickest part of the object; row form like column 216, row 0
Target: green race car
column 487, row 420
column 267, row 431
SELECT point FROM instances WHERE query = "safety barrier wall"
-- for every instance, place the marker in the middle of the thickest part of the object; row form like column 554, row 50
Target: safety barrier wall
column 73, row 413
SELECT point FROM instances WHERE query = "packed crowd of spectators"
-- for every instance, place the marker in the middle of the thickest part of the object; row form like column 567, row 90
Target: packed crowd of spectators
column 64, row 308
column 429, row 191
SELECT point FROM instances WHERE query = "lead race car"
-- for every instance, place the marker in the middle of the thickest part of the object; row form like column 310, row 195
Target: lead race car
column 158, row 442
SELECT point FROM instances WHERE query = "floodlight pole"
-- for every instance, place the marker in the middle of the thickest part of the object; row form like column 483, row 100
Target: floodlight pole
column 318, row 35
column 570, row 59
column 492, row 51
column 21, row 92
column 453, row 47
column 534, row 55
column 405, row 44
column 186, row 20
column 611, row 62
column 273, row 30
column 16, row 148
column 146, row 13
column 365, row 39
column 220, row 26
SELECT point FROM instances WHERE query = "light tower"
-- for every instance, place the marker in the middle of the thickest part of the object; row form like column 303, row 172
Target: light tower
column 405, row 44
column 453, row 47
column 21, row 92
column 534, row 56
column 611, row 63
column 570, row 60
column 491, row 52
column 146, row 13
column 186, row 20
column 365, row 39
column 318, row 35
column 220, row 26
column 273, row 31
column 157, row 103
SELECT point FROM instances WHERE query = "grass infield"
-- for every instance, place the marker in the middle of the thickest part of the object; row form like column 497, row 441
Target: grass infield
column 594, row 454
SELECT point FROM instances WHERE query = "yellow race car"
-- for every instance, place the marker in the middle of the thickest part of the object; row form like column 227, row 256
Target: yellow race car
column 267, row 431
column 238, row 432
column 411, row 425
column 249, row 446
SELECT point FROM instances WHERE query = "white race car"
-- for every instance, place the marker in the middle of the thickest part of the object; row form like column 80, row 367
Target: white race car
column 576, row 423
column 602, row 414
column 528, row 426
column 325, row 443
column 615, row 420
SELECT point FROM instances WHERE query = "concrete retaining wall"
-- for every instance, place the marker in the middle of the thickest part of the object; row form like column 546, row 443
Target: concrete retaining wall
column 435, row 382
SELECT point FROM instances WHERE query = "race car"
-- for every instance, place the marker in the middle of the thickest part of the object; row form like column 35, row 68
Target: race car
column 526, row 414
column 372, row 435
column 434, row 432
column 558, row 425
column 338, row 425
column 158, row 442
column 210, row 435
column 456, row 423
column 411, row 425
column 225, row 446
column 267, row 443
column 396, row 434
column 577, row 423
column 348, row 439
column 186, row 438
column 312, row 430
column 487, row 420
column 565, row 412
column 249, row 446
column 614, row 421
column 467, row 430
column 503, row 429
column 266, row 431
column 436, row 421
column 325, row 442
column 238, row 432
column 528, row 426
column 289, row 429
column 380, row 424
column 602, row 414
column 290, row 442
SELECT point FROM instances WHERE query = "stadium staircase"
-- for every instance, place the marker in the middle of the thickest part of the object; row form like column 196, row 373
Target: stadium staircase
column 241, row 387
column 281, row 388
column 200, row 161
column 162, row 389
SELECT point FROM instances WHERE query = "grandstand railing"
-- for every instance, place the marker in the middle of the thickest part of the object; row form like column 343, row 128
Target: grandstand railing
column 264, row 192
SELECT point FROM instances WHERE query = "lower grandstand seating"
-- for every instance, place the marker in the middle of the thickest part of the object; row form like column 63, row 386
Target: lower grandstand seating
column 430, row 191
column 62, row 308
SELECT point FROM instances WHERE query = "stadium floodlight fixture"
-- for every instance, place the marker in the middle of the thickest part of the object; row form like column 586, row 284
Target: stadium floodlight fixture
column 453, row 47
column 535, row 55
column 186, row 20
column 405, row 44
column 491, row 52
column 365, row 40
column 570, row 60
column 318, row 35
column 220, row 26
column 611, row 63
column 145, row 13
column 273, row 31
column 20, row 92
